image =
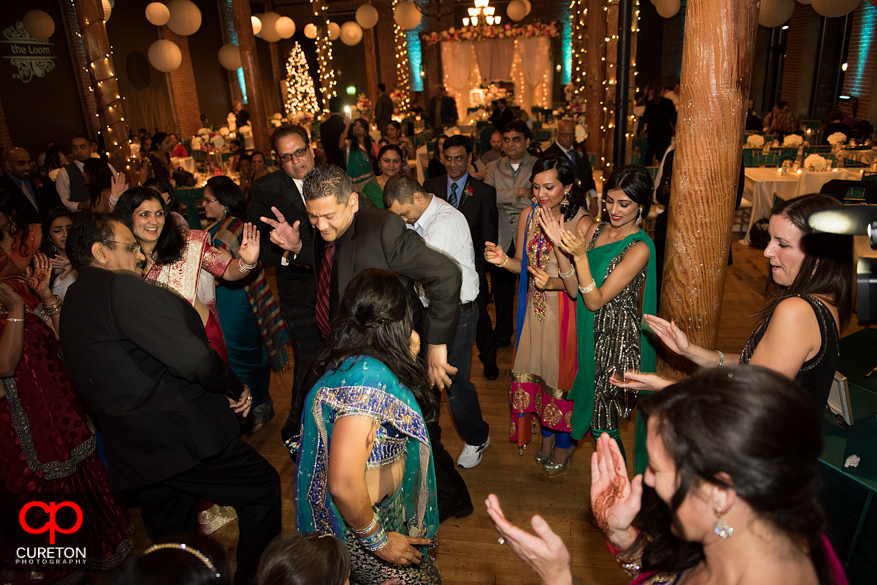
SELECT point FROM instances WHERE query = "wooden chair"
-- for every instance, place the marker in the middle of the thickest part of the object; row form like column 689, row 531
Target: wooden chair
column 742, row 216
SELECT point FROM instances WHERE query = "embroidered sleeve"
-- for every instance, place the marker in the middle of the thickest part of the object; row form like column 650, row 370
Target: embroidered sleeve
column 215, row 261
column 630, row 559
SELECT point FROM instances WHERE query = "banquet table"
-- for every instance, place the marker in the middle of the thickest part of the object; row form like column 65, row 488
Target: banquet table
column 867, row 156
column 762, row 183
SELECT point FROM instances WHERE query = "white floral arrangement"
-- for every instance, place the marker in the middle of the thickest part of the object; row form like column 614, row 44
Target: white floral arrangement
column 218, row 141
column 816, row 163
column 203, row 132
column 453, row 131
column 224, row 132
column 196, row 143
column 53, row 174
column 837, row 138
column 582, row 132
column 135, row 149
column 793, row 140
column 245, row 130
column 276, row 116
column 755, row 141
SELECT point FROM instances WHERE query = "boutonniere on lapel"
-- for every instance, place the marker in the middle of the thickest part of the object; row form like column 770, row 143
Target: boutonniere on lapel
column 580, row 152
column 38, row 183
column 468, row 191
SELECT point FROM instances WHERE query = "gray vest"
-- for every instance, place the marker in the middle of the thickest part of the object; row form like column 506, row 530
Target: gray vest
column 78, row 188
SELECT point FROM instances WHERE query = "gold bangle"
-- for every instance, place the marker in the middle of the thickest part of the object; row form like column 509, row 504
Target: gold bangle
column 585, row 290
column 504, row 262
column 8, row 319
column 721, row 358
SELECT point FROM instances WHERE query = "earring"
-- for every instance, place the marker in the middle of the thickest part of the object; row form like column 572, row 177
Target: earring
column 224, row 211
column 639, row 217
column 535, row 200
column 722, row 529
column 565, row 203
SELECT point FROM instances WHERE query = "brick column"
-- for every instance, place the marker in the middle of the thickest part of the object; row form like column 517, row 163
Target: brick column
column 182, row 90
column 862, row 59
column 801, row 51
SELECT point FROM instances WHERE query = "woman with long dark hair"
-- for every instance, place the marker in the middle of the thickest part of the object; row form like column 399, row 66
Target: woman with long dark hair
column 164, row 188
column 545, row 347
column 436, row 167
column 254, row 331
column 364, row 470
column 56, row 224
column 615, row 264
column 730, row 495
column 808, row 304
column 360, row 152
column 159, row 157
column 390, row 161
column 99, row 177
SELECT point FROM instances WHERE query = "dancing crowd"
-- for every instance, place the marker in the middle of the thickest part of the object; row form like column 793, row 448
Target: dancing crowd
column 135, row 350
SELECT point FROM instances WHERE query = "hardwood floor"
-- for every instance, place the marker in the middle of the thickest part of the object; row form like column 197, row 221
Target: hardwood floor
column 468, row 551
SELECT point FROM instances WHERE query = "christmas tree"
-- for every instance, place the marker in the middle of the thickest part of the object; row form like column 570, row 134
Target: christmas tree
column 300, row 96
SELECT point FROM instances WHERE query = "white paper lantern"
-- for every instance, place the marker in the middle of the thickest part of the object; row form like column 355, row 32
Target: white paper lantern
column 269, row 27
column 334, row 31
column 157, row 14
column 38, row 24
column 185, row 17
column 311, row 31
column 257, row 24
column 165, row 55
column 351, row 33
column 367, row 16
column 516, row 10
column 407, row 15
column 285, row 27
column 108, row 9
column 775, row 12
column 528, row 5
column 230, row 57
column 835, row 8
column 668, row 8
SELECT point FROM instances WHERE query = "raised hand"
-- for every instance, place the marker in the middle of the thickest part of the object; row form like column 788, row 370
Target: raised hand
column 400, row 549
column 493, row 253
column 669, row 333
column 61, row 266
column 118, row 186
column 38, row 278
column 249, row 250
column 573, row 245
column 615, row 501
column 541, row 278
column 544, row 552
column 553, row 228
column 284, row 235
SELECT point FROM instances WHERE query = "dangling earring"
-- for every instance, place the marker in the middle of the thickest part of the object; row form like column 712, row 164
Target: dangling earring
column 722, row 529
column 224, row 211
column 535, row 200
column 639, row 217
column 564, row 205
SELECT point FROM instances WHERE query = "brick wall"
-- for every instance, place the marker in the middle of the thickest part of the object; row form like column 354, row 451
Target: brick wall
column 181, row 85
column 862, row 57
column 801, row 48
column 671, row 55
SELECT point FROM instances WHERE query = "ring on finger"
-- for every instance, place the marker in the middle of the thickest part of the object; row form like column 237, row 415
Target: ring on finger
column 501, row 540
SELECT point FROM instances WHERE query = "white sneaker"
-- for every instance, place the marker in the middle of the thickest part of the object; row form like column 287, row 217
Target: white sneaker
column 471, row 455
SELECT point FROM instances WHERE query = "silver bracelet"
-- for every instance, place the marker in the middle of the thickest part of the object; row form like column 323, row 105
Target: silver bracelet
column 244, row 267
column 585, row 290
column 721, row 358
column 567, row 274
column 13, row 320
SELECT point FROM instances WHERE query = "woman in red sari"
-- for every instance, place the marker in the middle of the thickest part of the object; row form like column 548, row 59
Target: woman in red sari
column 47, row 443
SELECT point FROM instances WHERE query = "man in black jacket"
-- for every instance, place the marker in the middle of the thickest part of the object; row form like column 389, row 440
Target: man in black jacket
column 30, row 198
column 477, row 202
column 565, row 144
column 330, row 133
column 282, row 190
column 164, row 400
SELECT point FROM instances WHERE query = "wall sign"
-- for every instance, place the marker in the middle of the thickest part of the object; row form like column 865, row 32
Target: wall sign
column 32, row 57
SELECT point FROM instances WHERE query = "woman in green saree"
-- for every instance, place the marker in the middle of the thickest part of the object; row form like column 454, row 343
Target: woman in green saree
column 359, row 152
column 364, row 470
column 390, row 161
column 615, row 265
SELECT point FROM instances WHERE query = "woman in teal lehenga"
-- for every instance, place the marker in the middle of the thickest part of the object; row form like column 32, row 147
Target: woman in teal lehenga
column 360, row 153
column 366, row 412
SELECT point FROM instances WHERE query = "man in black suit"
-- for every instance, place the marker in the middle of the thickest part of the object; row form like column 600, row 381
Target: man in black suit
column 565, row 144
column 30, row 198
column 477, row 202
column 383, row 109
column 502, row 116
column 442, row 110
column 295, row 279
column 352, row 236
column 330, row 133
column 164, row 400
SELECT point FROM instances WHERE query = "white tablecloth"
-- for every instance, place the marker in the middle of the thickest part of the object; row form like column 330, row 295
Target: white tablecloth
column 186, row 162
column 865, row 156
column 761, row 185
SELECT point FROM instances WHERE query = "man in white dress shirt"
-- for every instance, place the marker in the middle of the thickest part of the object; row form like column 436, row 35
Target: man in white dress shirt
column 446, row 229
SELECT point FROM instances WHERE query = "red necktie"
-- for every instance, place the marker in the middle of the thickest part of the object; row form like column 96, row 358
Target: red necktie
column 323, row 289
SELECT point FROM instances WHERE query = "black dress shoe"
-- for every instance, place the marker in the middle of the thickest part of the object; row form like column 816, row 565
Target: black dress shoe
column 491, row 372
column 457, row 510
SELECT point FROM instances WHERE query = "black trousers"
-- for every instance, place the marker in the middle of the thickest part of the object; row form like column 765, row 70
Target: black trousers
column 504, row 285
column 449, row 483
column 237, row 477
column 484, row 338
column 298, row 305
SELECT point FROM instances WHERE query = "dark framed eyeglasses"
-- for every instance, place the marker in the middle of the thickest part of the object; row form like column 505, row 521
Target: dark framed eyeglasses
column 300, row 153
column 133, row 248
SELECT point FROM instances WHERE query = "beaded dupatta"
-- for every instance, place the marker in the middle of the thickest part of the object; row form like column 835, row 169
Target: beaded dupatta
column 538, row 255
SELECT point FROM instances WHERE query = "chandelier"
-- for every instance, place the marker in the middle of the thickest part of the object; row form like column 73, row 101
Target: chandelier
column 482, row 13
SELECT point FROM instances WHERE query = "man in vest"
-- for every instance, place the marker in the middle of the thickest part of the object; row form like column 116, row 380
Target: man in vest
column 69, row 183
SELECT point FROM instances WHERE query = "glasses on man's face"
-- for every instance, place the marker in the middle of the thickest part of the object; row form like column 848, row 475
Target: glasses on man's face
column 300, row 153
column 133, row 248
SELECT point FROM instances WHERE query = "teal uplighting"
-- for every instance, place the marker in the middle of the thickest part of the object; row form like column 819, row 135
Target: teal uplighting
column 243, row 84
column 566, row 45
column 351, row 90
column 854, row 78
column 415, row 58
column 226, row 7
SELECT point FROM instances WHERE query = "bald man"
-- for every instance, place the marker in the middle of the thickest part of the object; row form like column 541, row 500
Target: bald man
column 32, row 198
column 565, row 144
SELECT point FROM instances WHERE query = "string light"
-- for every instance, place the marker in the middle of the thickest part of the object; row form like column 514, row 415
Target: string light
column 324, row 53
column 403, row 82
column 300, row 96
